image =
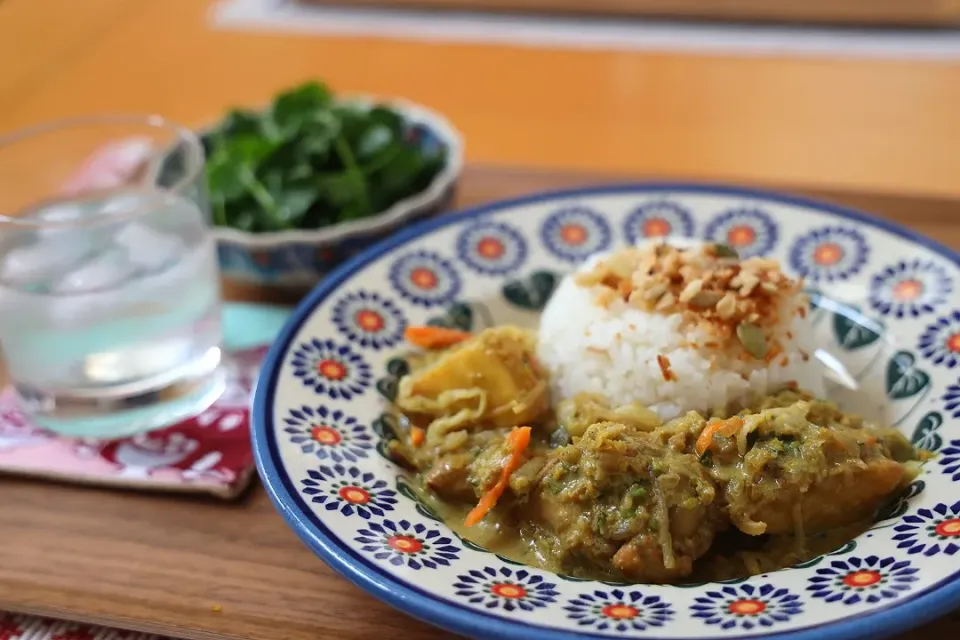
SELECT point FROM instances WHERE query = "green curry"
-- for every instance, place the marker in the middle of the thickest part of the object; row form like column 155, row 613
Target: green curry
column 611, row 493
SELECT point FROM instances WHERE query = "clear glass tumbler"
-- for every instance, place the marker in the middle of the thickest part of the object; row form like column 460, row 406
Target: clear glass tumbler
column 109, row 288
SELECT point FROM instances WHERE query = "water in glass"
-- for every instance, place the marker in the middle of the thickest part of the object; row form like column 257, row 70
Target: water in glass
column 109, row 322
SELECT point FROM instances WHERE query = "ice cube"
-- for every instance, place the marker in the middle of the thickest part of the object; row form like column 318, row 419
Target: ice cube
column 75, row 310
column 14, row 307
column 42, row 256
column 127, row 203
column 44, row 259
column 61, row 212
column 148, row 248
column 102, row 272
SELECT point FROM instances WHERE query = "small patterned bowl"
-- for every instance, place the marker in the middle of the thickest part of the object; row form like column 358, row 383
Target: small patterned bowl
column 884, row 305
column 298, row 259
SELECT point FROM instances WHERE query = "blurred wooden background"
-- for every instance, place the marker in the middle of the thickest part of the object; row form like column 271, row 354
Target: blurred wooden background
column 874, row 12
column 878, row 124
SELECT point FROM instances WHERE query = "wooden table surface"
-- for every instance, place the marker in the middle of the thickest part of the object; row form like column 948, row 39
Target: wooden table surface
column 164, row 564
column 883, row 135
column 855, row 123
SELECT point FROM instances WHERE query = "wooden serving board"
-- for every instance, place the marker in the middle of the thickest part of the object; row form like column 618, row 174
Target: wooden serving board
column 867, row 12
column 204, row 569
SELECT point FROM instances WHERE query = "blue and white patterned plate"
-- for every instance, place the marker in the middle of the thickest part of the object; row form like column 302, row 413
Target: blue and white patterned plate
column 884, row 304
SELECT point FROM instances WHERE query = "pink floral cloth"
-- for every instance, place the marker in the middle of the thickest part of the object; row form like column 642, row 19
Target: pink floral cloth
column 209, row 453
column 18, row 627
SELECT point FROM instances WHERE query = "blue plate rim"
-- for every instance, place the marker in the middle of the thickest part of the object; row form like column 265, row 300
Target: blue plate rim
column 925, row 605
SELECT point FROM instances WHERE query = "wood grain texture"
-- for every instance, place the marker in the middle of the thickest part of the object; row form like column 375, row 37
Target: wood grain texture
column 162, row 563
column 873, row 12
column 856, row 124
column 36, row 41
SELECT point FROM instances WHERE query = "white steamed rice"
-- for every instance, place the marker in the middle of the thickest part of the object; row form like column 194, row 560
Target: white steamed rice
column 613, row 351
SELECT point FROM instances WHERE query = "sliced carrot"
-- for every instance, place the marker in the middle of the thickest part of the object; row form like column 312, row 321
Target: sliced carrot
column 724, row 427
column 434, row 337
column 518, row 439
column 416, row 436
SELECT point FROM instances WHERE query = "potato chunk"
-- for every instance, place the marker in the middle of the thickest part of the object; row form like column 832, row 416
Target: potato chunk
column 492, row 379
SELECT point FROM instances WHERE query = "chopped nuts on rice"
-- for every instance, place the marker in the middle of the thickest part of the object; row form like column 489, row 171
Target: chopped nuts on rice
column 685, row 306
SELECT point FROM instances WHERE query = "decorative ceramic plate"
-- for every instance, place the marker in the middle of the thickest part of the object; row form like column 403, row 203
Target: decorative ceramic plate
column 884, row 304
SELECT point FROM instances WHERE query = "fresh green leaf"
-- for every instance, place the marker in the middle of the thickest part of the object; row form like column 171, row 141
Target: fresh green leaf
column 360, row 207
column 207, row 140
column 382, row 115
column 316, row 136
column 243, row 219
column 353, row 120
column 223, row 179
column 288, row 160
column 294, row 202
column 402, row 170
column 373, row 142
column 398, row 178
column 309, row 162
column 337, row 189
column 250, row 150
column 319, row 215
column 293, row 107
column 219, row 209
column 353, row 211
column 241, row 123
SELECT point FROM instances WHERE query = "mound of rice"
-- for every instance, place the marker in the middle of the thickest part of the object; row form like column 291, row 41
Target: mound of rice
column 597, row 343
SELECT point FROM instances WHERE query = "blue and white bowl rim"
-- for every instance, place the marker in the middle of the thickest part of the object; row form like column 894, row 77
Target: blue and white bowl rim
column 922, row 606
